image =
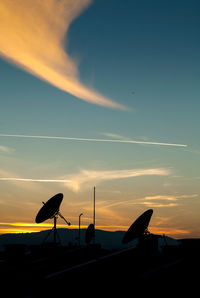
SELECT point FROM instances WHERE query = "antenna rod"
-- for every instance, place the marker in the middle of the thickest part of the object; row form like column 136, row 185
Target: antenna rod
column 79, row 229
column 94, row 215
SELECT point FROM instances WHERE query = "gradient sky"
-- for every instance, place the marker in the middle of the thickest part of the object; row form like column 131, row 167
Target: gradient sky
column 130, row 71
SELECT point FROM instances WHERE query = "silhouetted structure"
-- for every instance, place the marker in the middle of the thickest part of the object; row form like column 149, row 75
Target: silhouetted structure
column 139, row 227
column 79, row 229
column 51, row 210
column 89, row 234
column 49, row 269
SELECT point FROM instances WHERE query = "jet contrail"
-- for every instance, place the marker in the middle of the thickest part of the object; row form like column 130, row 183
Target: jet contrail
column 35, row 180
column 92, row 140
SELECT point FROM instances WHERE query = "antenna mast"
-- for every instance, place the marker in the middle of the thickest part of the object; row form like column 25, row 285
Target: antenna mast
column 94, row 215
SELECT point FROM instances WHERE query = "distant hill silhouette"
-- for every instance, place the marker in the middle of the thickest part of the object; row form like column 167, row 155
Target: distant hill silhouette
column 107, row 239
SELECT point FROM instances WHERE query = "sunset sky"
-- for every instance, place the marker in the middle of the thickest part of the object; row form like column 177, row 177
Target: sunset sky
column 104, row 93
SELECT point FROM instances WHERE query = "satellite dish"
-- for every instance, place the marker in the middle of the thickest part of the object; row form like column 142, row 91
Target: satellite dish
column 139, row 226
column 49, row 210
column 89, row 234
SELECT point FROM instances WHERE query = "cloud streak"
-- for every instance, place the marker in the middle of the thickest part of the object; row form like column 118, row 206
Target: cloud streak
column 27, row 183
column 86, row 178
column 6, row 149
column 33, row 37
column 160, row 201
column 153, row 201
column 171, row 197
column 35, row 180
column 93, row 140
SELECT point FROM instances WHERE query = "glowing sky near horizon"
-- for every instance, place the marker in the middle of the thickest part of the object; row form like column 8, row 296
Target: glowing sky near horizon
column 137, row 62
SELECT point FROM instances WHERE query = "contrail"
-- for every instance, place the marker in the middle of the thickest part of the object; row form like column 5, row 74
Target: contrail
column 35, row 180
column 92, row 140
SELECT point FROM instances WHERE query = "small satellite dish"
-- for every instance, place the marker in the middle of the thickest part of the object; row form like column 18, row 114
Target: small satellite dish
column 139, row 226
column 89, row 234
column 49, row 210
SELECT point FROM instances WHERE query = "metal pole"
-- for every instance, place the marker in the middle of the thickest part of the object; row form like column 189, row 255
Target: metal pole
column 94, row 216
column 79, row 229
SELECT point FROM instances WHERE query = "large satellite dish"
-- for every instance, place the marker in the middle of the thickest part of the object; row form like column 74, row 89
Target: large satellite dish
column 50, row 210
column 89, row 234
column 139, row 227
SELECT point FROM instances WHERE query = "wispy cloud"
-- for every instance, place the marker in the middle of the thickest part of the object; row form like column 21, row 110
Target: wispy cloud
column 26, row 183
column 86, row 178
column 171, row 197
column 33, row 35
column 6, row 149
column 115, row 136
column 158, row 205
column 35, row 180
column 91, row 140
column 160, row 201
column 152, row 201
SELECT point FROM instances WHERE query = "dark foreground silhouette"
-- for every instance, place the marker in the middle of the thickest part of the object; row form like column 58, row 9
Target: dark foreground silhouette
column 49, row 269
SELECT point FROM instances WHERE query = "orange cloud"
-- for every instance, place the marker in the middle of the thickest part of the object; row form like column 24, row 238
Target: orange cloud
column 32, row 36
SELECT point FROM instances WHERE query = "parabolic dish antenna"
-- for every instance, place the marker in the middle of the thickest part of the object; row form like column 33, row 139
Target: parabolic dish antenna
column 139, row 226
column 49, row 210
column 89, row 234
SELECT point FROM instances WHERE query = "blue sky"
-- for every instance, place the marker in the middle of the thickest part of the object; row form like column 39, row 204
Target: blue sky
column 143, row 55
